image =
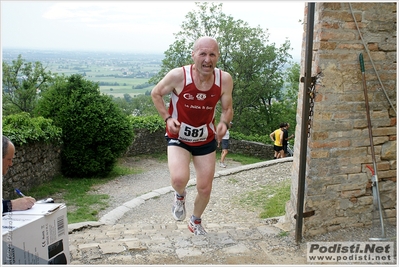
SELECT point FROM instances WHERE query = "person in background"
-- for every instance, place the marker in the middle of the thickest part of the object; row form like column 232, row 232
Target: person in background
column 190, row 131
column 277, row 137
column 284, row 151
column 225, row 147
column 22, row 203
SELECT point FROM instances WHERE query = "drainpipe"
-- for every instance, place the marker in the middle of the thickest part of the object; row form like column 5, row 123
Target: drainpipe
column 304, row 123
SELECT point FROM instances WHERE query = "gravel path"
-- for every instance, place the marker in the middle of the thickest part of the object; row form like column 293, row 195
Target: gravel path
column 223, row 205
column 153, row 174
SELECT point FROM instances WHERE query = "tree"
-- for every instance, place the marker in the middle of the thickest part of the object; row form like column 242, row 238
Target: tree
column 287, row 105
column 291, row 98
column 23, row 82
column 95, row 132
column 139, row 105
column 143, row 106
column 127, row 97
column 256, row 66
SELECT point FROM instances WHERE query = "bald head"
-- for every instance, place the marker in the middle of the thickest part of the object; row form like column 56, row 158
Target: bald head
column 205, row 41
column 8, row 154
column 6, row 144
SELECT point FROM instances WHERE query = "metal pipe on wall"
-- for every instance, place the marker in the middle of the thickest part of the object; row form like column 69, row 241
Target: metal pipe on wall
column 304, row 123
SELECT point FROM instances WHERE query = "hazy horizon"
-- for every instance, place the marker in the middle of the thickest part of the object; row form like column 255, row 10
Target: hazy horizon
column 145, row 27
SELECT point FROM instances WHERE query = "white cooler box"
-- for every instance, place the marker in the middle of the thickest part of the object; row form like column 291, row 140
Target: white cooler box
column 36, row 236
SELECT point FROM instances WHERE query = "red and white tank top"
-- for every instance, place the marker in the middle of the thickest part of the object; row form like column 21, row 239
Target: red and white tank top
column 195, row 110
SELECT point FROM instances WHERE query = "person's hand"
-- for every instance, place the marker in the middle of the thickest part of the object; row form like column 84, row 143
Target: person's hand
column 218, row 143
column 23, row 203
column 221, row 130
column 173, row 125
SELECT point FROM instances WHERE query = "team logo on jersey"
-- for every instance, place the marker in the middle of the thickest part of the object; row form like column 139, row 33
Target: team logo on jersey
column 188, row 96
column 201, row 96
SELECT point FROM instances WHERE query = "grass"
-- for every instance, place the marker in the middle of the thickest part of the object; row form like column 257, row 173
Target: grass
column 270, row 200
column 244, row 160
column 283, row 234
column 82, row 205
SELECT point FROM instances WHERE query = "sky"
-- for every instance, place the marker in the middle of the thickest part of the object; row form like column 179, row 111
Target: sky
column 133, row 26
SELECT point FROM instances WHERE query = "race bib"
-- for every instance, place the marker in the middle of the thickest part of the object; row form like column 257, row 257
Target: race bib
column 192, row 134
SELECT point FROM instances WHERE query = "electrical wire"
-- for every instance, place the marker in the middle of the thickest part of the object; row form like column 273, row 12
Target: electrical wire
column 372, row 63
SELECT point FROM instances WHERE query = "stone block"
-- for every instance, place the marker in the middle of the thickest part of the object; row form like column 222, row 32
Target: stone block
column 111, row 248
column 134, row 203
column 134, row 245
column 389, row 150
column 149, row 195
column 89, row 246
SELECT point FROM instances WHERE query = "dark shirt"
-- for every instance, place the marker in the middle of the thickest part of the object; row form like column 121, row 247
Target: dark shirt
column 7, row 206
column 285, row 137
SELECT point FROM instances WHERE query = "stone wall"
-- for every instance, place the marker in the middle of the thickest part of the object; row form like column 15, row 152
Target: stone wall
column 37, row 163
column 146, row 143
column 34, row 164
column 338, row 183
column 254, row 149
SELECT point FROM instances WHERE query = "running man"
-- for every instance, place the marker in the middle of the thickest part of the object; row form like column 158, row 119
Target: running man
column 190, row 124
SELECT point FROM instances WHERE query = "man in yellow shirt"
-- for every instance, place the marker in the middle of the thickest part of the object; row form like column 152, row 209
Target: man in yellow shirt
column 277, row 137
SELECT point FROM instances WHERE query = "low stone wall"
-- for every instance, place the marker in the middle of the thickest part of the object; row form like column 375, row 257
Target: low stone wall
column 34, row 164
column 254, row 149
column 37, row 163
column 146, row 143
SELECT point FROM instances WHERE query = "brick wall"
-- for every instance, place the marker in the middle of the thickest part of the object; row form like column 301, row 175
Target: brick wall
column 338, row 184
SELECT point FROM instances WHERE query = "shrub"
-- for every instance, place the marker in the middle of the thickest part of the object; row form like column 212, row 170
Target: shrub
column 151, row 123
column 22, row 129
column 265, row 139
column 95, row 130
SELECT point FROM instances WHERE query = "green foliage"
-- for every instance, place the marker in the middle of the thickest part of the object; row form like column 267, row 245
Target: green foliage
column 95, row 130
column 22, row 129
column 23, row 83
column 288, row 105
column 140, row 105
column 151, row 123
column 265, row 139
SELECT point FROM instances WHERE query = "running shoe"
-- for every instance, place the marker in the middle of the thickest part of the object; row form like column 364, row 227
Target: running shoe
column 222, row 165
column 196, row 227
column 179, row 207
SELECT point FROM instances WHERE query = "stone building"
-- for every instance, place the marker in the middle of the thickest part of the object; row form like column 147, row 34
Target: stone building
column 337, row 191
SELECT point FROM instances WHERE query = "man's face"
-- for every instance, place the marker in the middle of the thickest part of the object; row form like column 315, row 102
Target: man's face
column 7, row 160
column 206, row 56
